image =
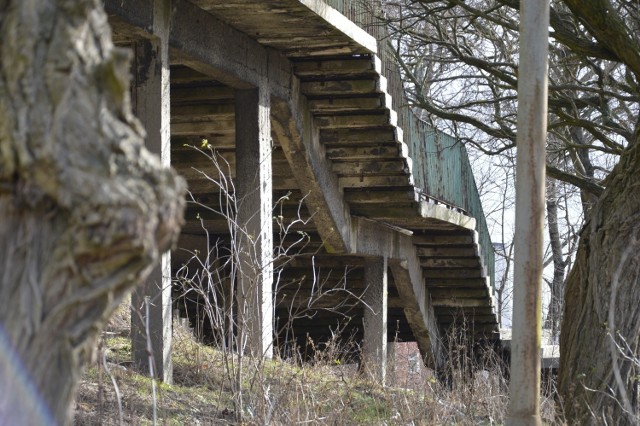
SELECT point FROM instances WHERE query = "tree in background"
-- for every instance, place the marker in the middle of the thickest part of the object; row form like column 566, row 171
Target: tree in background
column 460, row 62
column 85, row 209
column 495, row 183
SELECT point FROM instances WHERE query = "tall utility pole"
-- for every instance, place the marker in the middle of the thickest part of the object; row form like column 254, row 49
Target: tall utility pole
column 524, row 405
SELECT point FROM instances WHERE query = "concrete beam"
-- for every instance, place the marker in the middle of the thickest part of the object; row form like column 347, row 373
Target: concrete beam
column 477, row 283
column 453, row 263
column 459, row 302
column 254, row 206
column 374, row 239
column 469, row 251
column 294, row 130
column 437, row 274
column 460, row 293
column 134, row 19
column 441, row 212
column 342, row 23
column 352, row 105
column 374, row 350
column 443, row 240
column 212, row 47
column 364, row 86
column 151, row 302
column 419, row 312
column 208, row 45
column 336, row 68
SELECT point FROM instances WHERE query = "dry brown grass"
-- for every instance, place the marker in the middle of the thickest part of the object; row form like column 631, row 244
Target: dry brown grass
column 279, row 391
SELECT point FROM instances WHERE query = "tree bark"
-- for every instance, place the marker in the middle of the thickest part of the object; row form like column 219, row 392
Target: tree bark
column 556, row 296
column 596, row 380
column 85, row 210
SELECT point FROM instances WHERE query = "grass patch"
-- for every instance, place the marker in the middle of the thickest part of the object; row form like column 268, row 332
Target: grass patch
column 208, row 390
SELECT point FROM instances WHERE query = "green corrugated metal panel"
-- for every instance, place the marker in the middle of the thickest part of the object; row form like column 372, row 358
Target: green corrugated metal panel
column 441, row 165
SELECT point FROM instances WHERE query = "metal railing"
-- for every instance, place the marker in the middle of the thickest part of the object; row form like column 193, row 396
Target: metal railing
column 441, row 165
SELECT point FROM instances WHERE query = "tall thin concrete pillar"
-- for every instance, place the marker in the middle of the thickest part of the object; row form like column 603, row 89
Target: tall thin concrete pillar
column 254, row 208
column 374, row 350
column 151, row 302
column 390, row 377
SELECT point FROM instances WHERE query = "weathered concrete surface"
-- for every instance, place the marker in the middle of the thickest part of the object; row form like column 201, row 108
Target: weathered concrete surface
column 254, row 208
column 374, row 349
column 206, row 44
column 312, row 27
column 152, row 106
column 295, row 131
column 374, row 239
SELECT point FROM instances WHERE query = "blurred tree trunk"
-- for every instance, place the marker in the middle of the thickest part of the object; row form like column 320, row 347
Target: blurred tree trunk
column 601, row 323
column 85, row 210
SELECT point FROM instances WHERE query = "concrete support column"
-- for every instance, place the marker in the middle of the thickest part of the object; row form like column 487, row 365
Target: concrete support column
column 254, row 205
column 391, row 364
column 151, row 302
column 374, row 350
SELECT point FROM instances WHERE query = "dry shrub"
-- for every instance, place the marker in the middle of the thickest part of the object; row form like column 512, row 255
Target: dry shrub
column 215, row 384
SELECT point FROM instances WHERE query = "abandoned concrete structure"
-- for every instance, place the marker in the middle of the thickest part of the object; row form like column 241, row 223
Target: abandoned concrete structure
column 303, row 108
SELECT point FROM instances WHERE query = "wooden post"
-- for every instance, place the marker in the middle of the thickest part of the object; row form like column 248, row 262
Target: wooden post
column 152, row 107
column 524, row 404
column 254, row 209
column 374, row 350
